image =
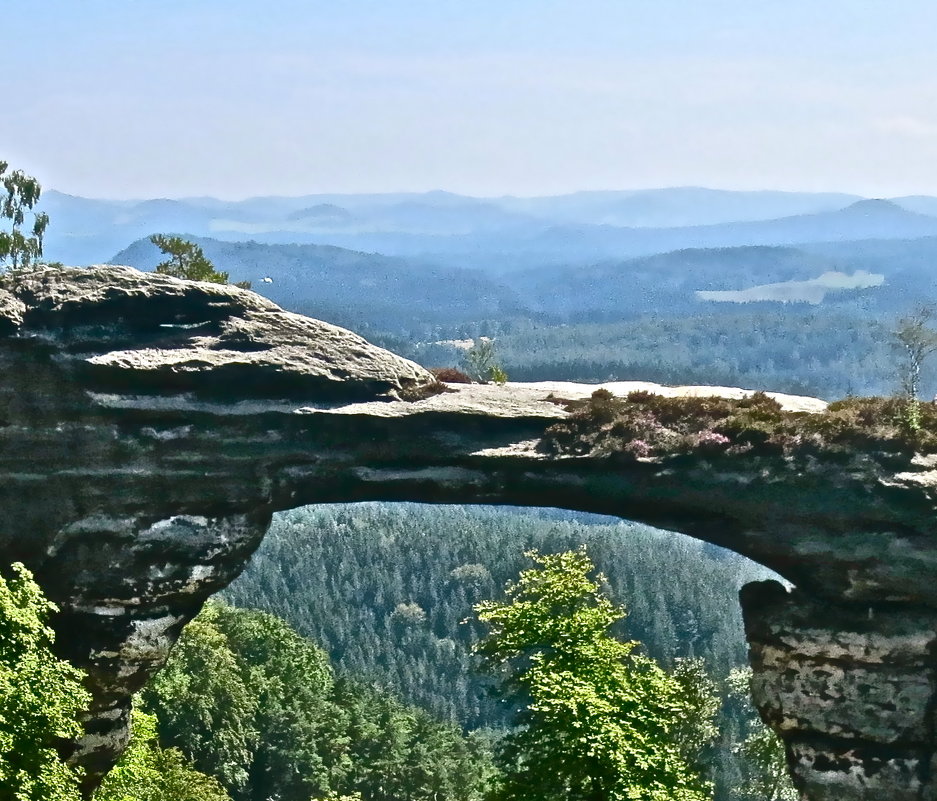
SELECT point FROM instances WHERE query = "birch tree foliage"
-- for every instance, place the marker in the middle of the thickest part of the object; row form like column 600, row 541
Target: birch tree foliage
column 23, row 228
column 595, row 719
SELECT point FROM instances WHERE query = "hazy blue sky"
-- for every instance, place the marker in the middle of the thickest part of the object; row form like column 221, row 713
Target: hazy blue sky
column 140, row 98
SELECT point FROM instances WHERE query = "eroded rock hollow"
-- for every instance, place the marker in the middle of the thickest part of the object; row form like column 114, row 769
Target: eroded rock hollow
column 150, row 427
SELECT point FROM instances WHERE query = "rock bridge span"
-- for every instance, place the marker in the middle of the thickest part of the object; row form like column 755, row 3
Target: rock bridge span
column 150, row 427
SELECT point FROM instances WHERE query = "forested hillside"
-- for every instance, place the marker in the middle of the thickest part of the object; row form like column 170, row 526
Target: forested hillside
column 824, row 353
column 388, row 591
column 364, row 291
column 259, row 708
column 815, row 320
column 427, row 295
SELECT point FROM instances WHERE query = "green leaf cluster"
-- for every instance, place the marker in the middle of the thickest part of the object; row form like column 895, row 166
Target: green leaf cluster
column 21, row 193
column 257, row 706
column 596, row 720
column 40, row 697
column 338, row 573
column 147, row 772
column 765, row 775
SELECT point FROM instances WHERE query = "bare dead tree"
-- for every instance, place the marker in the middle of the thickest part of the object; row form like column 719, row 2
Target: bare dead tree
column 915, row 339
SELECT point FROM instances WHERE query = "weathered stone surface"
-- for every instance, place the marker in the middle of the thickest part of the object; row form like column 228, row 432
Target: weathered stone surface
column 149, row 427
column 850, row 688
column 829, row 771
column 125, row 588
column 11, row 313
column 153, row 333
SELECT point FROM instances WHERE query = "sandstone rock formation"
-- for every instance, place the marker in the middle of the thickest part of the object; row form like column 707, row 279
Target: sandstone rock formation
column 150, row 427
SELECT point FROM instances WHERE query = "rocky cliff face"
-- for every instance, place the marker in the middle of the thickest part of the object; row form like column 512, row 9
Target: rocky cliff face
column 149, row 428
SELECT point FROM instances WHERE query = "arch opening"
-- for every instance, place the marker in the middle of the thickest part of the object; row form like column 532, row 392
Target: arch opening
column 388, row 588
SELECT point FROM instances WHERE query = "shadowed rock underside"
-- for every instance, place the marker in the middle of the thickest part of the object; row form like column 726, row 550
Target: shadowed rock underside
column 149, row 428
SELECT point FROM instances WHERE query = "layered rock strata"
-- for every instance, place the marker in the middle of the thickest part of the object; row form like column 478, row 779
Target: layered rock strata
column 851, row 689
column 149, row 427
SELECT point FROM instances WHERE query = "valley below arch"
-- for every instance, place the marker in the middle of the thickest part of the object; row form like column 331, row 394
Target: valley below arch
column 388, row 591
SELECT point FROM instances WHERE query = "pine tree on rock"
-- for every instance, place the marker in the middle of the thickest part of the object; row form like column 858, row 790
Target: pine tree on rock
column 187, row 260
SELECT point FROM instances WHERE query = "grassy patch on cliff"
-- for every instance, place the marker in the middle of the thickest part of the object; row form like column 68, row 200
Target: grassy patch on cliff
column 645, row 425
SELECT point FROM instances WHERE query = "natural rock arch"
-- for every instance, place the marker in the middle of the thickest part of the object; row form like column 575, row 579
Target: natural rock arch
column 150, row 427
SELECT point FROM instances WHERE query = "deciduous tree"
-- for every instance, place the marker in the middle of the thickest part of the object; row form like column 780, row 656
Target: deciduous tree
column 147, row 772
column 256, row 706
column 40, row 697
column 21, row 196
column 915, row 339
column 766, row 776
column 596, row 721
column 204, row 705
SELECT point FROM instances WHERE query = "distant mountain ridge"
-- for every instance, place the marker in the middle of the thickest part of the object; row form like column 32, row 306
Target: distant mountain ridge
column 421, row 300
column 863, row 219
column 495, row 234
column 364, row 291
column 502, row 260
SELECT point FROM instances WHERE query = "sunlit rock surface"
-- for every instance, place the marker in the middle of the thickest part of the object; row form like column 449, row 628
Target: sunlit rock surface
column 149, row 428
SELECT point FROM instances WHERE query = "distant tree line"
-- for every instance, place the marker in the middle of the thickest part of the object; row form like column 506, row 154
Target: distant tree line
column 814, row 352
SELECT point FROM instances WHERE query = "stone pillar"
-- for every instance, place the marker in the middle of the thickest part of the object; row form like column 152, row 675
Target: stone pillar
column 850, row 689
column 125, row 587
